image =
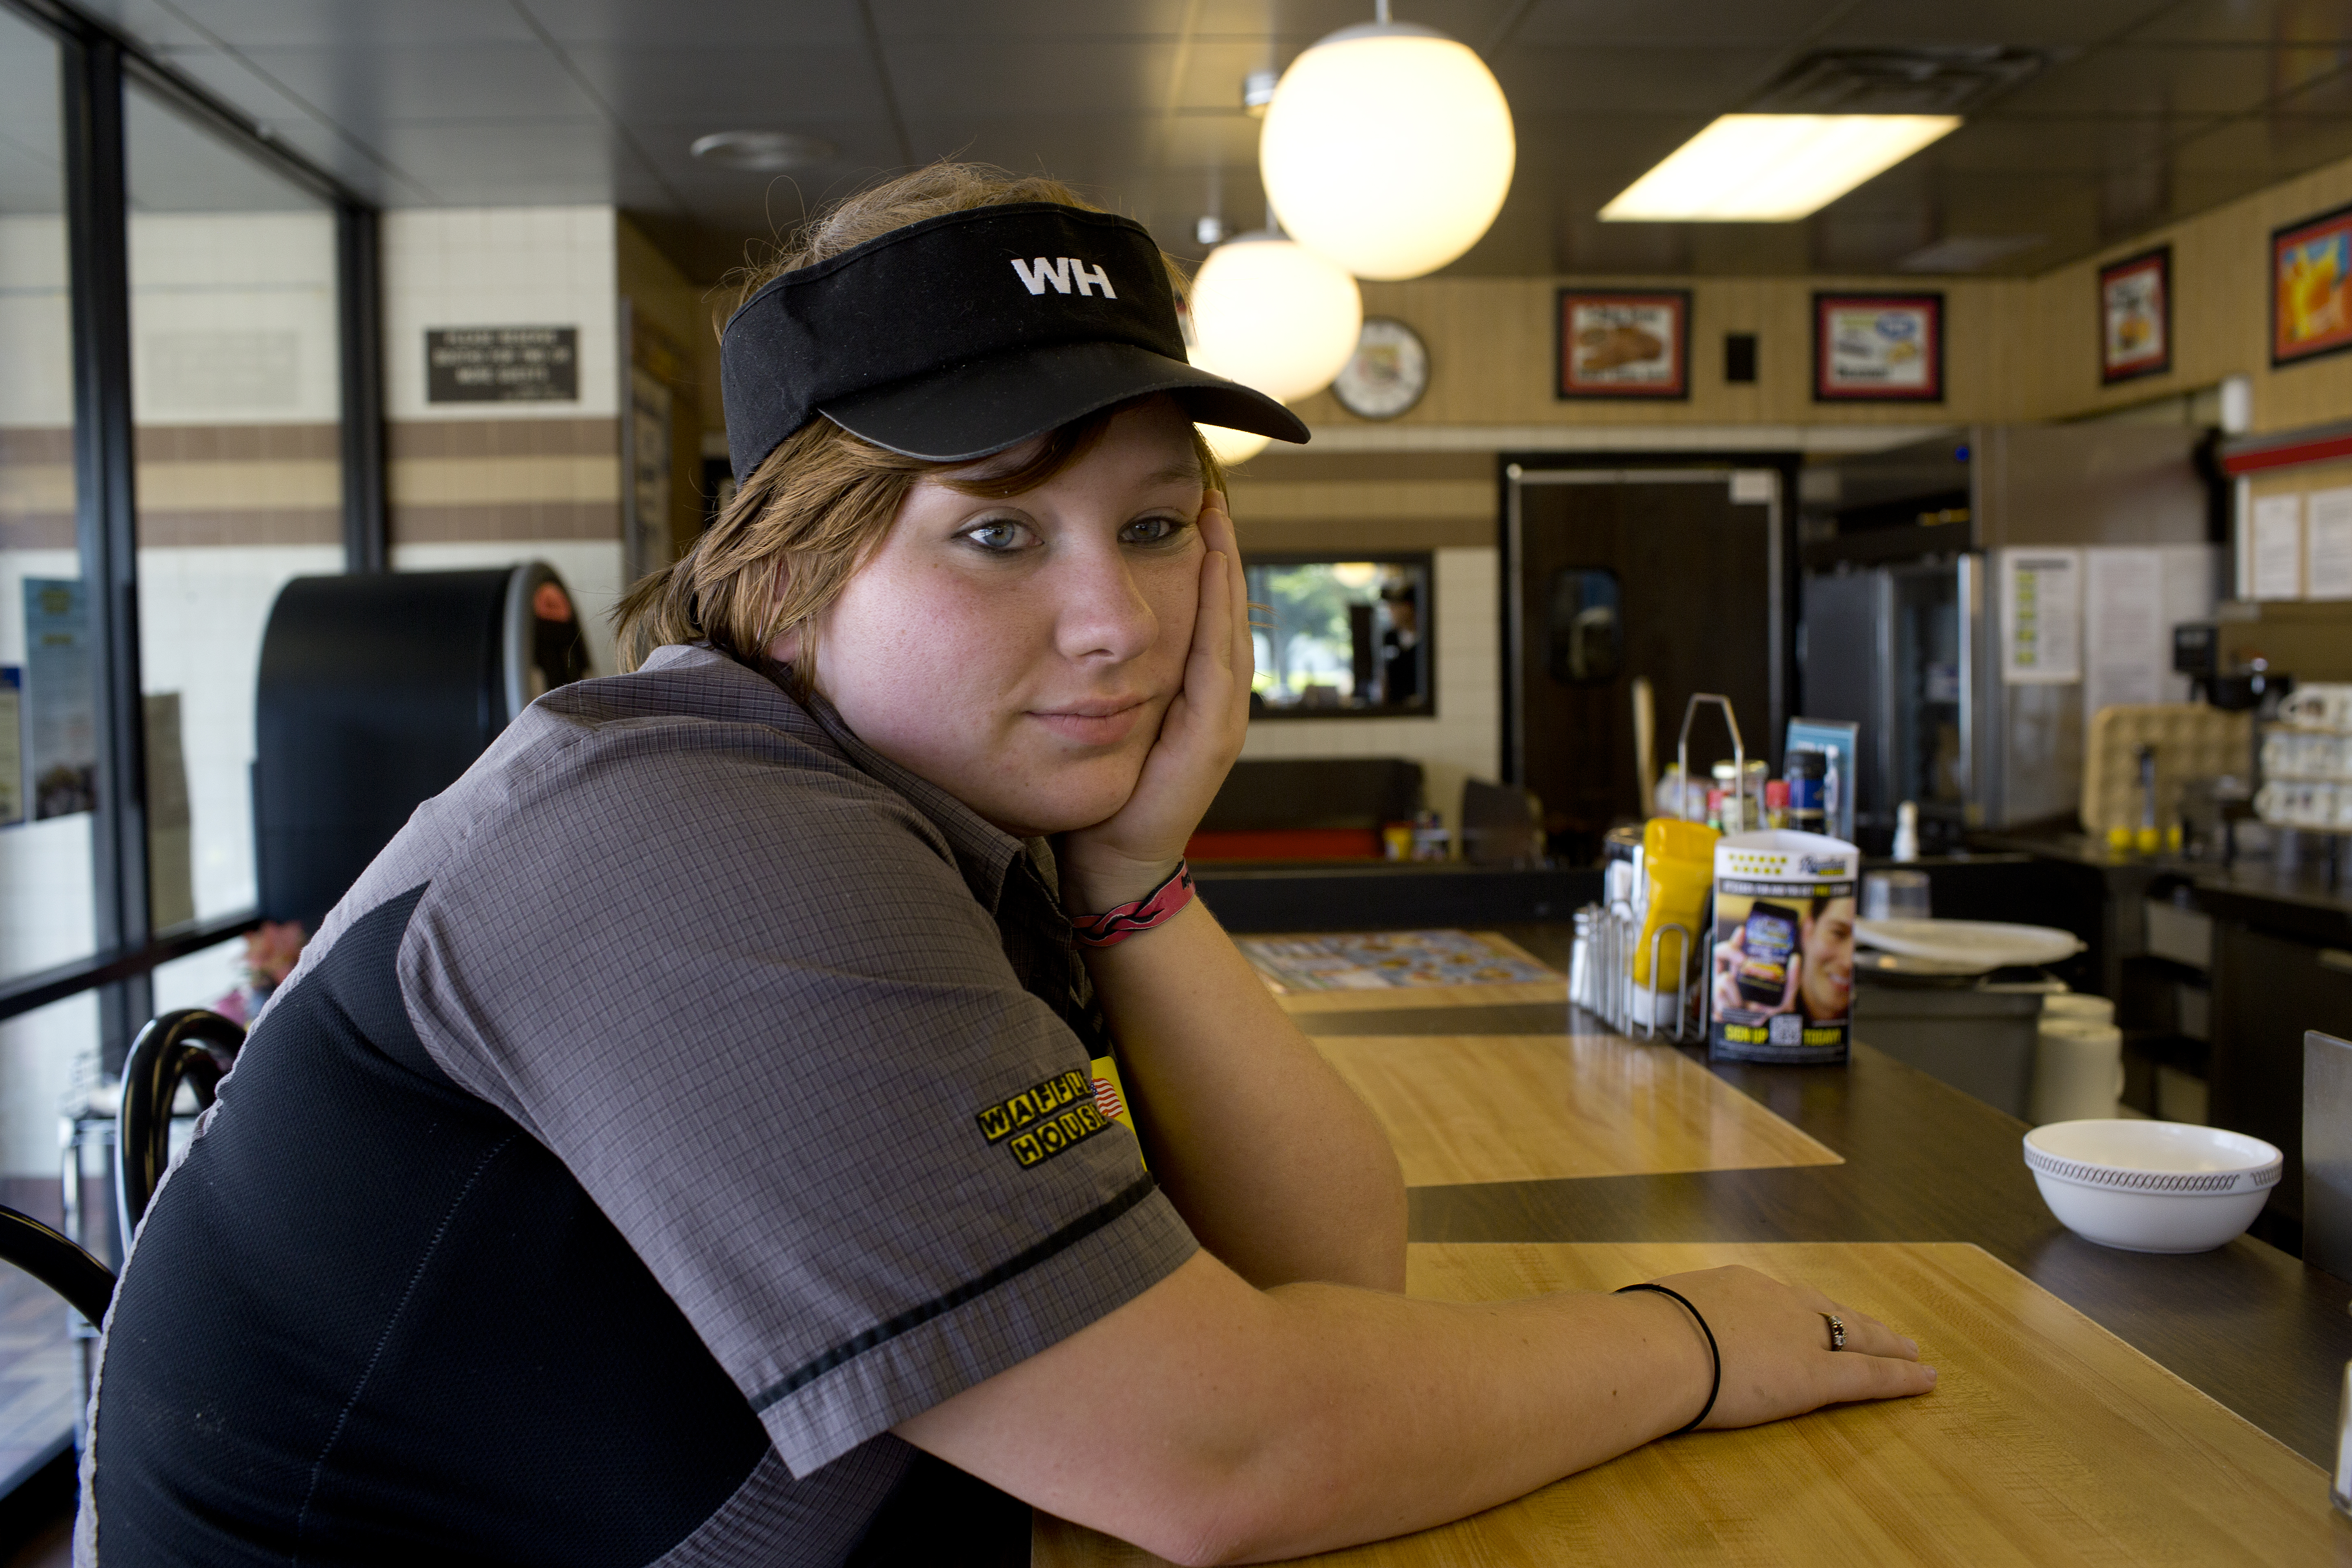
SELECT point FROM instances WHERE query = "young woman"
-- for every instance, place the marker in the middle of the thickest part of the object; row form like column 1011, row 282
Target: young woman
column 705, row 1119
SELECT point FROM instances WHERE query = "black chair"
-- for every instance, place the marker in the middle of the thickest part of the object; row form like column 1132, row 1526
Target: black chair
column 192, row 1046
column 55, row 1259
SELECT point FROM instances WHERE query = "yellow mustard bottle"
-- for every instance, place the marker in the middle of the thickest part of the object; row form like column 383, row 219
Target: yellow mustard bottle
column 1679, row 861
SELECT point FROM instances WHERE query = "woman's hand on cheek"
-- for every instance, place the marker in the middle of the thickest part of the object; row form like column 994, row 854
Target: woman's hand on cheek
column 1125, row 856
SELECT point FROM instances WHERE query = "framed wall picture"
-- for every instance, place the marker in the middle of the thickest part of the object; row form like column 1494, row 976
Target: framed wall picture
column 2311, row 288
column 2135, row 316
column 1622, row 342
column 1878, row 348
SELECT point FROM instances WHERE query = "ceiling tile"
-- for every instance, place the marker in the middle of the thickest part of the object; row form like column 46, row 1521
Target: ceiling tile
column 764, row 88
column 2267, row 148
column 980, row 76
column 1710, row 24
column 1555, row 79
column 1041, row 19
column 2166, row 79
column 2015, row 24
column 2249, row 21
column 2081, row 145
column 716, row 25
column 362, row 89
column 328, row 24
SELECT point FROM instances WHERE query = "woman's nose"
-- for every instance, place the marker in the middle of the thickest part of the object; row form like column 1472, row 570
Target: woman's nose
column 1100, row 611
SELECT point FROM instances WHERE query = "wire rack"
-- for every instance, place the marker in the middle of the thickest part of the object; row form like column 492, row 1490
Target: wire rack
column 1609, row 936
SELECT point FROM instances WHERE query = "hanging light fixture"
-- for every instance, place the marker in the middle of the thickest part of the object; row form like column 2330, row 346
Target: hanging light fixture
column 1272, row 314
column 1389, row 148
column 1233, row 448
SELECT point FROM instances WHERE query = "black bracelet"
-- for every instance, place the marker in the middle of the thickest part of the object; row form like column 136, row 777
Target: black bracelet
column 1715, row 1385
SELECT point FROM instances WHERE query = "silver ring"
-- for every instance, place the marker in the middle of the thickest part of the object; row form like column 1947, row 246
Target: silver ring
column 1837, row 1332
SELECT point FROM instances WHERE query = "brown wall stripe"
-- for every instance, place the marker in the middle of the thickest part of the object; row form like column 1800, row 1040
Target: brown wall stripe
column 409, row 438
column 34, row 444
column 1277, row 464
column 526, row 520
column 280, row 525
column 37, row 530
column 1342, row 536
column 236, row 443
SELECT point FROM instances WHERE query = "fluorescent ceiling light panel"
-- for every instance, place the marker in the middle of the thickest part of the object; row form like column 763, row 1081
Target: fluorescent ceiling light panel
column 1773, row 168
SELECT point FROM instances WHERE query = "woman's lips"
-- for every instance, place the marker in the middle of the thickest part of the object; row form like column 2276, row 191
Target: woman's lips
column 1092, row 724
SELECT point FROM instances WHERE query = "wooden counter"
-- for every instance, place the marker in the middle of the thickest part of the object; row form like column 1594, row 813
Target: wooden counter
column 2046, row 1441
column 1462, row 1108
column 2248, row 1324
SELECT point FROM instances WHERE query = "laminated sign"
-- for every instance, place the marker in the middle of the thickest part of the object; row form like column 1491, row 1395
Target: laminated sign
column 1781, row 969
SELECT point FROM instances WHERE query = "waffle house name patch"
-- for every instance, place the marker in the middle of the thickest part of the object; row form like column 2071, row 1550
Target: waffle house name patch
column 1038, row 1123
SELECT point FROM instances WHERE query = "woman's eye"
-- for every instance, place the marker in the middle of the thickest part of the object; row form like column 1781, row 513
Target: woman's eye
column 1151, row 531
column 997, row 536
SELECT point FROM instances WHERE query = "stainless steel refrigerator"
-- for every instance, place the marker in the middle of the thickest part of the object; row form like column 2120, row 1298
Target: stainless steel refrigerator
column 1902, row 623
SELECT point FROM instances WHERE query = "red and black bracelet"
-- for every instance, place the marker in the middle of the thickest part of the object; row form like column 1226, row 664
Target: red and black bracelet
column 1115, row 926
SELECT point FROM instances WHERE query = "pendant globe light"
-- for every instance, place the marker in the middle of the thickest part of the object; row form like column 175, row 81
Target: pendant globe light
column 1389, row 148
column 1272, row 314
column 1233, row 448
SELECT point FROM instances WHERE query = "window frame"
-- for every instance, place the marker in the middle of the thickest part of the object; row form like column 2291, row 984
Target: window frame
column 95, row 65
column 1426, row 562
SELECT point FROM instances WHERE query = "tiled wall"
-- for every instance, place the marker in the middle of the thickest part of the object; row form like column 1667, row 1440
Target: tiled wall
column 486, row 484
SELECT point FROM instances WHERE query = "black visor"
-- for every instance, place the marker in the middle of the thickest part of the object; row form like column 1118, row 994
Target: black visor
column 963, row 335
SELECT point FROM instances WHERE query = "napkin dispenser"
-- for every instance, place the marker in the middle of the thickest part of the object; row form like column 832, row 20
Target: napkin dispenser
column 1781, row 956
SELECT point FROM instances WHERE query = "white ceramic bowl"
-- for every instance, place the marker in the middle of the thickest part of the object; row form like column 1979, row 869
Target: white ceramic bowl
column 2151, row 1187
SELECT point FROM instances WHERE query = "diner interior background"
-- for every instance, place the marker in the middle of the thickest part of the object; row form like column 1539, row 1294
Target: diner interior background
column 227, row 227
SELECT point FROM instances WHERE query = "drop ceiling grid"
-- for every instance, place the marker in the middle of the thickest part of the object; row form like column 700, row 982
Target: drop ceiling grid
column 2148, row 110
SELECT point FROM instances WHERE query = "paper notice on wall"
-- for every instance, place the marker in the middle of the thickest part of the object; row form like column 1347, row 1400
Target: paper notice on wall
column 2127, row 647
column 2329, row 561
column 2040, row 617
column 2278, row 548
column 12, row 746
column 61, row 698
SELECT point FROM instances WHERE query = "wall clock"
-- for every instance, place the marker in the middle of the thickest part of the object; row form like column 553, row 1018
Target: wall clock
column 1387, row 373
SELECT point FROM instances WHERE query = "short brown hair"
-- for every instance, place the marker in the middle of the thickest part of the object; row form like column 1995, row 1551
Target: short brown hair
column 816, row 507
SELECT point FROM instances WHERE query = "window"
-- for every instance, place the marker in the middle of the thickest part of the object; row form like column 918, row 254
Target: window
column 1587, row 629
column 1339, row 639
column 49, row 694
column 236, row 383
column 180, row 302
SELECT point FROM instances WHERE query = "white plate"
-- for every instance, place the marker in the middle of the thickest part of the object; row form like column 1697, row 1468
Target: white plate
column 1991, row 944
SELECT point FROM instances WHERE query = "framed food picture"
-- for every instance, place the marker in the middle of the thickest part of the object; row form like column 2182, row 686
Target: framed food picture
column 2311, row 288
column 1878, row 348
column 1624, row 343
column 2135, row 316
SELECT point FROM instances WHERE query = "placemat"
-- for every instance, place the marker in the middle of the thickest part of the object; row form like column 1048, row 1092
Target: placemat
column 1352, row 970
column 1526, row 1108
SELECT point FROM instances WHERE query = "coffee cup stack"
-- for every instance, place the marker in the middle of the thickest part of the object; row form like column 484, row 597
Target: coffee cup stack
column 2078, row 1061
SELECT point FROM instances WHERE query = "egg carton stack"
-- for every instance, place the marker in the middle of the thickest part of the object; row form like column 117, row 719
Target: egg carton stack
column 2307, row 759
column 2190, row 740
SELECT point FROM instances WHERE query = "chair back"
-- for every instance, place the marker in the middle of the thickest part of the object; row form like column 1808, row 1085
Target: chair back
column 2328, row 1153
column 56, row 1261
column 192, row 1046
column 1502, row 824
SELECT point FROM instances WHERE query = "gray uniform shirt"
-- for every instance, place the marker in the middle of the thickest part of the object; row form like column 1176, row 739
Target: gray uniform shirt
column 799, row 1025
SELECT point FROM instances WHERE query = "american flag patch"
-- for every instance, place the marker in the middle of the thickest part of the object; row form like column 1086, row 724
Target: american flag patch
column 1107, row 1100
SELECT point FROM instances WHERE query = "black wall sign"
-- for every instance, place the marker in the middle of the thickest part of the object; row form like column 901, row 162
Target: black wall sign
column 502, row 364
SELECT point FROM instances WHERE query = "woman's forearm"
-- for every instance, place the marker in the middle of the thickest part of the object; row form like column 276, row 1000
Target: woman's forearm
column 1273, row 1161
